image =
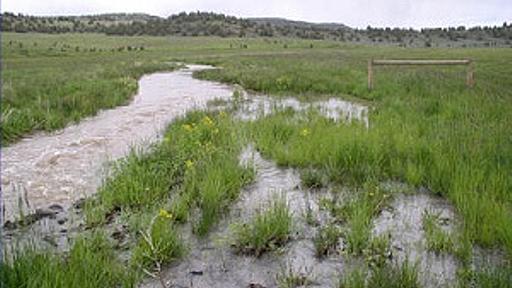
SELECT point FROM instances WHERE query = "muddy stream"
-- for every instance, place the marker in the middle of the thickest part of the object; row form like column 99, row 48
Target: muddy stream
column 62, row 167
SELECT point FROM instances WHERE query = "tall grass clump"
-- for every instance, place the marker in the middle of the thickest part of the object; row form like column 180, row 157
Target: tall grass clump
column 387, row 276
column 437, row 239
column 196, row 165
column 326, row 240
column 159, row 244
column 270, row 229
column 92, row 262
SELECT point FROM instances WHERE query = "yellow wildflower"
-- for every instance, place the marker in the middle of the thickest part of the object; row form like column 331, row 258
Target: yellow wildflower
column 222, row 114
column 164, row 214
column 305, row 132
column 189, row 163
column 208, row 121
column 188, row 127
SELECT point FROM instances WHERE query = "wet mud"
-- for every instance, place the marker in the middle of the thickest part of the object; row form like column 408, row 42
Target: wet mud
column 212, row 262
column 402, row 222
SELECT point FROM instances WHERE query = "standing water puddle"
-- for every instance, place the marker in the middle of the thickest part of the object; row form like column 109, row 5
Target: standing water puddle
column 336, row 109
column 64, row 166
column 403, row 223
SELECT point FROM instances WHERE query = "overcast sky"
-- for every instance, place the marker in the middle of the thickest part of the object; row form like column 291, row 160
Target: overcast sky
column 392, row 13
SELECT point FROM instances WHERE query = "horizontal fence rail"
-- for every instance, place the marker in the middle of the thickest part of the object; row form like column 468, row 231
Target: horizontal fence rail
column 468, row 62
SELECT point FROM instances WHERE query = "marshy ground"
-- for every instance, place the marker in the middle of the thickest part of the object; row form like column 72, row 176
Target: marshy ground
column 286, row 185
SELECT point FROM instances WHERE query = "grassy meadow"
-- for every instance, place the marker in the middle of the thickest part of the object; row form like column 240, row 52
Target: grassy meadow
column 426, row 129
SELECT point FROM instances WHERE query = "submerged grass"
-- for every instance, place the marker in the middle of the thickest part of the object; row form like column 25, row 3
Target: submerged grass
column 349, row 154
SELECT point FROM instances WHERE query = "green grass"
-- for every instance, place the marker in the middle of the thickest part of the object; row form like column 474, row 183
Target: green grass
column 357, row 211
column 92, row 262
column 500, row 277
column 291, row 279
column 438, row 240
column 388, row 276
column 195, row 166
column 50, row 81
column 152, row 191
column 426, row 128
column 326, row 240
column 270, row 229
column 46, row 90
column 160, row 244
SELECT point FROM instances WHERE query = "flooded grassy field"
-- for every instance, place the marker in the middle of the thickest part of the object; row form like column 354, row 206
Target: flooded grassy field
column 279, row 169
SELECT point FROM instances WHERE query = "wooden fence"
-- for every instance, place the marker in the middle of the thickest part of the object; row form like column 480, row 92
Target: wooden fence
column 470, row 80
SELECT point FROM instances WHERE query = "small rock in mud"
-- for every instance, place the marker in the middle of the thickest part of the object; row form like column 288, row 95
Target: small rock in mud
column 255, row 285
column 62, row 220
column 44, row 212
column 56, row 207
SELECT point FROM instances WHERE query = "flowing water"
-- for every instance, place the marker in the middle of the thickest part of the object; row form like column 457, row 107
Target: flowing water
column 64, row 166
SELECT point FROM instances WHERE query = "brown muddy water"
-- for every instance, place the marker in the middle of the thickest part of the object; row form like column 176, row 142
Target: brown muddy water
column 62, row 167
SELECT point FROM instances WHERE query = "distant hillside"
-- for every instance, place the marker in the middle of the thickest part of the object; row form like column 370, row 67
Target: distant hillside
column 282, row 22
column 214, row 24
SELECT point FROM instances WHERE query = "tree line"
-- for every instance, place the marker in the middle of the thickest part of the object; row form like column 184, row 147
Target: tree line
column 216, row 24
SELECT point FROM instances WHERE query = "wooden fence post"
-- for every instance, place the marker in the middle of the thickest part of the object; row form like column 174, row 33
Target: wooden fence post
column 370, row 74
column 470, row 77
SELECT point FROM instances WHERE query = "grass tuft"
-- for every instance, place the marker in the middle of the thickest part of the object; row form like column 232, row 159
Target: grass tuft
column 268, row 230
column 438, row 240
column 91, row 263
column 326, row 240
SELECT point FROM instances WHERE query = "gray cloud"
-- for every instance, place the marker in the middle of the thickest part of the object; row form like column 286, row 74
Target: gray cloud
column 391, row 13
